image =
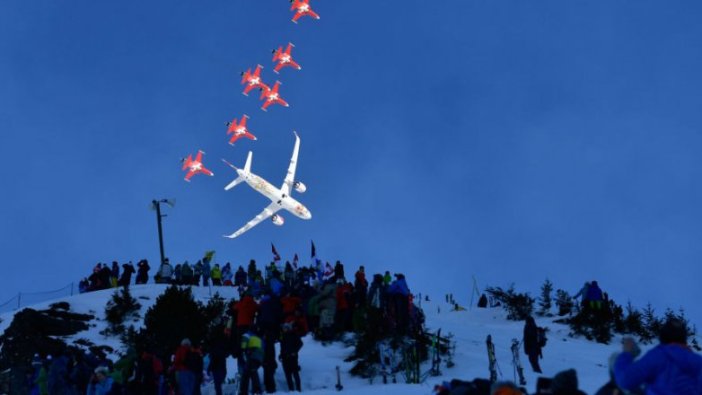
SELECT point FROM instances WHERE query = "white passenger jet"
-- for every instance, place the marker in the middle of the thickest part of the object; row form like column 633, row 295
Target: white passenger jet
column 280, row 198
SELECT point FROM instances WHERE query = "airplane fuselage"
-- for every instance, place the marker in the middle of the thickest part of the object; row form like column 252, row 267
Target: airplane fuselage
column 303, row 7
column 285, row 59
column 275, row 195
column 195, row 166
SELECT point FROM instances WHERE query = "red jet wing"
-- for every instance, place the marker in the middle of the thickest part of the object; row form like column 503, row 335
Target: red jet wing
column 234, row 127
column 284, row 58
column 253, row 81
column 272, row 97
column 302, row 8
column 195, row 166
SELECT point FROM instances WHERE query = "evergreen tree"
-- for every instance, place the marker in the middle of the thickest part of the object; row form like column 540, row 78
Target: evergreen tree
column 518, row 305
column 545, row 302
column 651, row 325
column 121, row 307
column 633, row 321
column 174, row 316
column 564, row 302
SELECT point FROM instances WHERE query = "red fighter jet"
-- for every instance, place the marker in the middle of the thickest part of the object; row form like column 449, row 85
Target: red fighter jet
column 302, row 8
column 195, row 166
column 271, row 96
column 238, row 130
column 253, row 80
column 284, row 58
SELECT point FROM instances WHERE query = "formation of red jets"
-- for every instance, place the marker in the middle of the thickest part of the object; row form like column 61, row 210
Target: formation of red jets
column 253, row 80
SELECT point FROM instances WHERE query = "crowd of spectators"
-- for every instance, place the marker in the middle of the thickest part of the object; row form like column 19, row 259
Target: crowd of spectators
column 282, row 306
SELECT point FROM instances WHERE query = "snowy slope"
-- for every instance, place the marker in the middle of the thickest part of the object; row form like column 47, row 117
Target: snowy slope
column 318, row 362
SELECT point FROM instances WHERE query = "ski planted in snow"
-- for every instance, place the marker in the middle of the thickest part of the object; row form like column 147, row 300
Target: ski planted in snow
column 518, row 370
column 491, row 359
column 339, row 387
column 435, row 356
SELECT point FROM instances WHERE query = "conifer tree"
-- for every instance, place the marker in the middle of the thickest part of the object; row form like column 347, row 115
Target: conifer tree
column 651, row 324
column 564, row 302
column 545, row 301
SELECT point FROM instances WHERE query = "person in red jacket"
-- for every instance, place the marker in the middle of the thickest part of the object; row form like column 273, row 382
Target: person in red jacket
column 245, row 313
column 185, row 378
column 343, row 307
column 290, row 303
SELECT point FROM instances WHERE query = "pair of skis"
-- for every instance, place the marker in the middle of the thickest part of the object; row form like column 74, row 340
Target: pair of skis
column 516, row 362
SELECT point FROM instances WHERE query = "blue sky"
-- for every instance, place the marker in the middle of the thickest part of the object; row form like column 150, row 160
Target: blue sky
column 510, row 141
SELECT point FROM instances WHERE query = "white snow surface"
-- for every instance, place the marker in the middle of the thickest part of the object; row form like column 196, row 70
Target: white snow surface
column 318, row 361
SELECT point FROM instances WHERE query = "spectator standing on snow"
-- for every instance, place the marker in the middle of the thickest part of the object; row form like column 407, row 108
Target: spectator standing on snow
column 240, row 277
column 531, row 343
column 206, row 270
column 669, row 368
column 594, row 296
column 227, row 275
column 126, row 278
column 290, row 345
column 583, row 295
column 216, row 275
column 114, row 274
column 218, row 362
column 186, row 274
column 252, row 350
column 142, row 272
column 185, row 377
column 197, row 272
column 165, row 272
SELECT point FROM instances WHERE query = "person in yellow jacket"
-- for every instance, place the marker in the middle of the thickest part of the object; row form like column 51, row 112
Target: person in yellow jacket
column 252, row 349
column 216, row 275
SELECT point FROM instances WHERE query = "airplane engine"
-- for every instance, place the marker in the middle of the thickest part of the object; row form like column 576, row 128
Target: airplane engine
column 278, row 219
column 299, row 187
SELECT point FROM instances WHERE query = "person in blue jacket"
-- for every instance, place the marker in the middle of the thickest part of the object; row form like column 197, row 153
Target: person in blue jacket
column 667, row 369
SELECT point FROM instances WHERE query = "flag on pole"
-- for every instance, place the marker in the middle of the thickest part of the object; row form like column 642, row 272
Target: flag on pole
column 276, row 257
column 208, row 256
column 295, row 259
column 315, row 260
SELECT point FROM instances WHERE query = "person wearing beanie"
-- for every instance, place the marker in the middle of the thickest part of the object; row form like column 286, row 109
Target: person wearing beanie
column 669, row 368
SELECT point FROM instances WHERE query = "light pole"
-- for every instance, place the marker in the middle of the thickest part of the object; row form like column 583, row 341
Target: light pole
column 156, row 205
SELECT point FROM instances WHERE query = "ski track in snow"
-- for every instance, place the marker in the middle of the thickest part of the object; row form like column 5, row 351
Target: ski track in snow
column 318, row 362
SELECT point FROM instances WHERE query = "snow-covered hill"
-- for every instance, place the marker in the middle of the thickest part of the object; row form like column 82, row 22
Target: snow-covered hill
column 318, row 362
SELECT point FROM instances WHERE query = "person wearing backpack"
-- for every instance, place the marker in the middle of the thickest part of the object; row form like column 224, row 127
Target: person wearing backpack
column 252, row 351
column 532, row 345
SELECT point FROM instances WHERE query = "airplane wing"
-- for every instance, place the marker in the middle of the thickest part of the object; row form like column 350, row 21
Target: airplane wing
column 198, row 158
column 264, row 215
column 290, row 177
column 189, row 175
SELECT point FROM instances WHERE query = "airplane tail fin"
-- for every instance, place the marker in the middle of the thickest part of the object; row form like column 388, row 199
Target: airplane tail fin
column 240, row 179
column 247, row 166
